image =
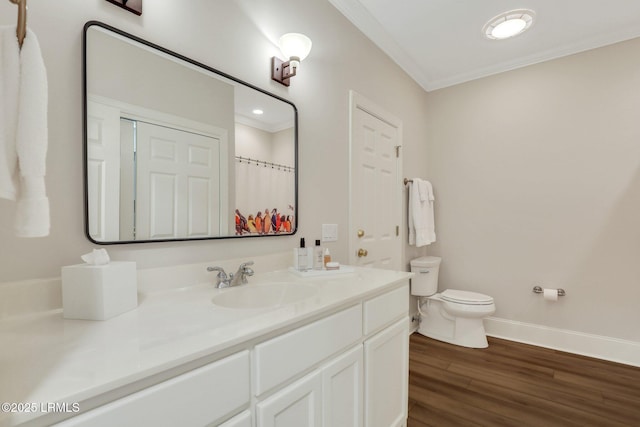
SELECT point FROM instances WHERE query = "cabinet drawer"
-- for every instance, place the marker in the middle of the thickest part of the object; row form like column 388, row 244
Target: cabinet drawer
column 196, row 398
column 283, row 357
column 384, row 309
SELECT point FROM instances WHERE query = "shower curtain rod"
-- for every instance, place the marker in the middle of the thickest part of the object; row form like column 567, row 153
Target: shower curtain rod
column 262, row 162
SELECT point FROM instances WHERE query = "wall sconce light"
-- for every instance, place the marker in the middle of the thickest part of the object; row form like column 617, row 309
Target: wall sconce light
column 295, row 47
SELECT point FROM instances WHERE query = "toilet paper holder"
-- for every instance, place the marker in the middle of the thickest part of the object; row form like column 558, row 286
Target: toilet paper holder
column 539, row 290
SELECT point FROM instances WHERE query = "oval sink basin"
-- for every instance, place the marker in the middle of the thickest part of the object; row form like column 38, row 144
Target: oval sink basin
column 263, row 296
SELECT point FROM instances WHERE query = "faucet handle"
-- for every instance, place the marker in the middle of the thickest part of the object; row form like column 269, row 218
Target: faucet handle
column 220, row 270
column 245, row 269
column 246, row 264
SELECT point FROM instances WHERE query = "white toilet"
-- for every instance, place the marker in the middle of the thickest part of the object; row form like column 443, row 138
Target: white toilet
column 452, row 316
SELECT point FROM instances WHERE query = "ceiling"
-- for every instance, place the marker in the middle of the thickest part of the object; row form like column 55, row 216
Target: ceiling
column 440, row 43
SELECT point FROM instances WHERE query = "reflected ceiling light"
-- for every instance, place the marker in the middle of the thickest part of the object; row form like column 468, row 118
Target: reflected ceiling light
column 509, row 24
column 258, row 112
column 295, row 47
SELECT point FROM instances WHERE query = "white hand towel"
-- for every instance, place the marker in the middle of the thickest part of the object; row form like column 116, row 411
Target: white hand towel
column 9, row 83
column 422, row 213
column 412, row 227
column 423, row 190
column 32, row 217
column 24, row 127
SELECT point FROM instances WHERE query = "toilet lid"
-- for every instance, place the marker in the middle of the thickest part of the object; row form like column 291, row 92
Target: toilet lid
column 465, row 297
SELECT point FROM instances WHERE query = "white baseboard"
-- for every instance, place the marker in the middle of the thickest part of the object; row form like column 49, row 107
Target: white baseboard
column 601, row 347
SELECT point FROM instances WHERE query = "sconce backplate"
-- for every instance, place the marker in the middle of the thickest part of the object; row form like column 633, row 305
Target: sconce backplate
column 280, row 71
column 133, row 6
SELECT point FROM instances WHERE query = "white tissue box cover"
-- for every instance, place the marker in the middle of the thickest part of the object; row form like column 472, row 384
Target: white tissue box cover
column 99, row 292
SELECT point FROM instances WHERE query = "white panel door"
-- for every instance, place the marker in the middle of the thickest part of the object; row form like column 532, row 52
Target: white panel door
column 386, row 378
column 178, row 183
column 103, row 166
column 297, row 405
column 342, row 387
column 375, row 190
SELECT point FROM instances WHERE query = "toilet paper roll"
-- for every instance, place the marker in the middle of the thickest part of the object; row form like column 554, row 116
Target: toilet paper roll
column 550, row 294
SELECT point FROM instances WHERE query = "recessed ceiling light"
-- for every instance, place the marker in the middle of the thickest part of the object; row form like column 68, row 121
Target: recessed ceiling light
column 509, row 24
column 257, row 111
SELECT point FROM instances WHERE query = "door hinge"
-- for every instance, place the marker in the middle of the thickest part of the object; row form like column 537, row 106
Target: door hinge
column 397, row 230
column 398, row 151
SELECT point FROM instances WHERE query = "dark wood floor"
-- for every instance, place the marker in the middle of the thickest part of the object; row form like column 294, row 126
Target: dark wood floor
column 512, row 384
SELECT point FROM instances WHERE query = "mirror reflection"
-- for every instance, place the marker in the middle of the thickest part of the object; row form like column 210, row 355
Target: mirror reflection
column 175, row 150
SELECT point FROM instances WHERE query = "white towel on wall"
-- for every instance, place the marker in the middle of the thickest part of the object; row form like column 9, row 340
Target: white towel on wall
column 23, row 132
column 9, row 82
column 421, row 213
column 412, row 228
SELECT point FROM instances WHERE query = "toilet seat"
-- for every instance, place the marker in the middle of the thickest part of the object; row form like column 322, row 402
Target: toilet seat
column 466, row 297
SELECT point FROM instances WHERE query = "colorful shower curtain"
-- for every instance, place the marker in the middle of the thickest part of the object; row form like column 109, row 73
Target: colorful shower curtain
column 262, row 186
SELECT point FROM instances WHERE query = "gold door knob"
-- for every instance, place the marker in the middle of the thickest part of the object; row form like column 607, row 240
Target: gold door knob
column 362, row 252
column 360, row 233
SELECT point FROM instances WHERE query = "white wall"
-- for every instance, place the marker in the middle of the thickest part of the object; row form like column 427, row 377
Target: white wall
column 197, row 96
column 237, row 37
column 535, row 170
column 537, row 178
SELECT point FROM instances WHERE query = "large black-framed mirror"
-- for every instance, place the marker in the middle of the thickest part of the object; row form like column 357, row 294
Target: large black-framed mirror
column 176, row 150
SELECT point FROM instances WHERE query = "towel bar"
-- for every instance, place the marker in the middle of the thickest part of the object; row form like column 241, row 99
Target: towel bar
column 21, row 27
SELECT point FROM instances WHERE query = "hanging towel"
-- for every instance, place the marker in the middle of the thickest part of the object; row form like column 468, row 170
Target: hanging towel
column 412, row 228
column 424, row 190
column 421, row 214
column 23, row 132
column 9, row 82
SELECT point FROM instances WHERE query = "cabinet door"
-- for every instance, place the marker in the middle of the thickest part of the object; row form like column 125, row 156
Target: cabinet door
column 342, row 390
column 241, row 420
column 297, row 405
column 386, row 378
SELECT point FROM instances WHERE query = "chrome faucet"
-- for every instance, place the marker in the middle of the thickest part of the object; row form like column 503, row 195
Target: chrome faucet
column 239, row 278
column 222, row 281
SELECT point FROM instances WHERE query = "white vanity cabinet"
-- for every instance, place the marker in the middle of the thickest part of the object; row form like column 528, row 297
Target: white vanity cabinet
column 359, row 359
column 241, row 420
column 329, row 396
column 342, row 387
column 347, row 367
column 288, row 356
column 297, row 405
column 197, row 398
column 386, row 359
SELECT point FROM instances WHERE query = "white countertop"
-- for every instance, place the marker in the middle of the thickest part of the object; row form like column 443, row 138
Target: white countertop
column 46, row 358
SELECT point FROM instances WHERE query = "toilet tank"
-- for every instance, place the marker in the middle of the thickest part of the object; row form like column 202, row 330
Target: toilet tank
column 425, row 281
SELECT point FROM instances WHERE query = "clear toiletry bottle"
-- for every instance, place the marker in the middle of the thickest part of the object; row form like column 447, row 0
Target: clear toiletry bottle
column 318, row 257
column 327, row 257
column 303, row 256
